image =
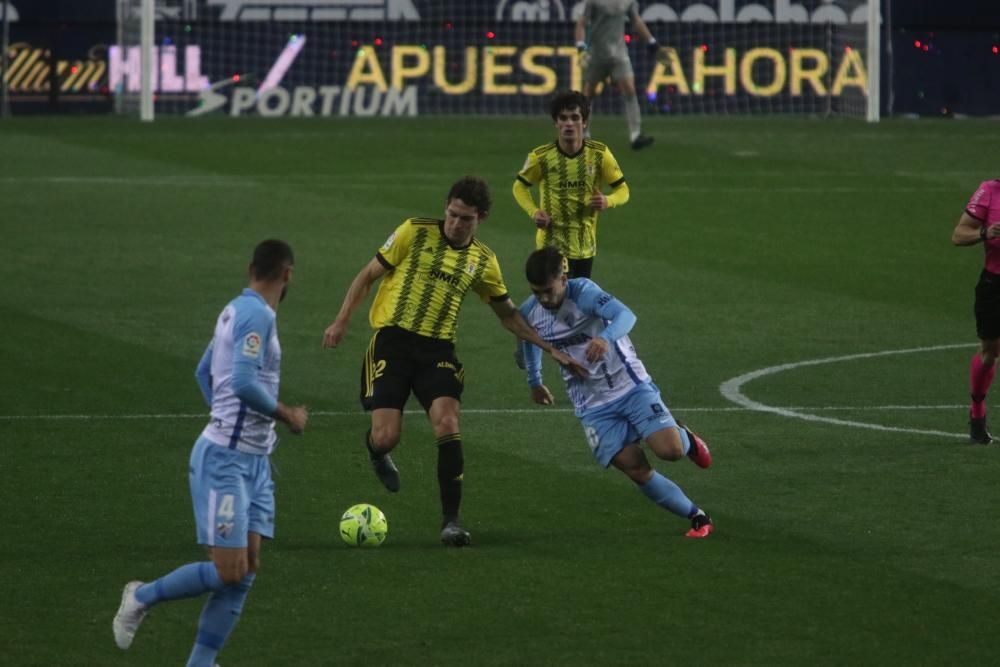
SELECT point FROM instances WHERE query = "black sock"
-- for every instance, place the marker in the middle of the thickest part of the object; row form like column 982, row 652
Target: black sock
column 451, row 466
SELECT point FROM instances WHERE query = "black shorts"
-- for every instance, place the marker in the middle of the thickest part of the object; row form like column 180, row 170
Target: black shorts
column 399, row 361
column 580, row 268
column 987, row 306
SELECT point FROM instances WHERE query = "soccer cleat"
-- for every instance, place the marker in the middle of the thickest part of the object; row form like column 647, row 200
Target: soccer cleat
column 642, row 141
column 387, row 472
column 698, row 452
column 129, row 616
column 701, row 526
column 453, row 535
column 979, row 434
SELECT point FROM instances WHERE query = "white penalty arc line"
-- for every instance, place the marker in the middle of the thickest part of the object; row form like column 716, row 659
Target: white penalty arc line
column 732, row 390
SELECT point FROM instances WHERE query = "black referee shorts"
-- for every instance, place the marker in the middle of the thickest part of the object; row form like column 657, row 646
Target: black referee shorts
column 399, row 361
column 987, row 306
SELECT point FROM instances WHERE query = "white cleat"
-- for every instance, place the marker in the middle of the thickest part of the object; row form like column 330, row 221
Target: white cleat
column 129, row 616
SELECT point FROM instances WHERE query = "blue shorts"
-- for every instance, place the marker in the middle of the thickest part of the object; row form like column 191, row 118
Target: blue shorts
column 638, row 414
column 232, row 494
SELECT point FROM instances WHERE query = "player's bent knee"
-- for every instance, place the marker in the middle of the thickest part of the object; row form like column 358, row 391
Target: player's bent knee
column 446, row 425
column 385, row 438
column 231, row 576
column 667, row 444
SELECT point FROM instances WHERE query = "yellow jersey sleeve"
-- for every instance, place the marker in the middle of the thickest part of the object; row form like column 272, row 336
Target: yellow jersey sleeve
column 531, row 172
column 397, row 246
column 611, row 173
column 490, row 286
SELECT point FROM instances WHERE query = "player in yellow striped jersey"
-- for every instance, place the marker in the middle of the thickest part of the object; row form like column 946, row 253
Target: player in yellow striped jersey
column 571, row 173
column 427, row 266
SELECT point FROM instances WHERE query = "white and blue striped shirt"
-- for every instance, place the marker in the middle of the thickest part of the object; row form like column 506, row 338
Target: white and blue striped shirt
column 239, row 376
column 587, row 312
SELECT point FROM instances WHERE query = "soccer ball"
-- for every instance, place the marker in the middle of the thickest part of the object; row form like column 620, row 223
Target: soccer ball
column 363, row 525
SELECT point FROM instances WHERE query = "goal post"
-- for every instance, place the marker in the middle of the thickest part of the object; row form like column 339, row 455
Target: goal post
column 132, row 59
column 874, row 53
column 147, row 22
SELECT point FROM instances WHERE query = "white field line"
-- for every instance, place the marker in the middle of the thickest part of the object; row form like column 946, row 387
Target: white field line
column 263, row 180
column 482, row 411
column 732, row 390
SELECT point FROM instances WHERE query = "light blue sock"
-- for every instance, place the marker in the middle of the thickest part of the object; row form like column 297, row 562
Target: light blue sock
column 218, row 618
column 185, row 582
column 669, row 496
column 685, row 440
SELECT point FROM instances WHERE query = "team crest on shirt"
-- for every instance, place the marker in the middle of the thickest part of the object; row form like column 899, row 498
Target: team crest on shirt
column 251, row 345
column 470, row 268
column 389, row 241
column 591, row 169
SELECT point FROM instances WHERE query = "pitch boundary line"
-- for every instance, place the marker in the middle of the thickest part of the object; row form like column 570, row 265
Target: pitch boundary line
column 731, row 390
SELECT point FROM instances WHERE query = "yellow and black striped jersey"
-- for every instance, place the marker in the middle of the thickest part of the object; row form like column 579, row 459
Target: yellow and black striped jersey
column 428, row 278
column 565, row 184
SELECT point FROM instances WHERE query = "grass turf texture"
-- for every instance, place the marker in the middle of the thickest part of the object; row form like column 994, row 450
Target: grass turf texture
column 747, row 243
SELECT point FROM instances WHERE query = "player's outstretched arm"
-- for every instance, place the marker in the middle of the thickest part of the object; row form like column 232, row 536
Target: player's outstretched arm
column 356, row 294
column 514, row 322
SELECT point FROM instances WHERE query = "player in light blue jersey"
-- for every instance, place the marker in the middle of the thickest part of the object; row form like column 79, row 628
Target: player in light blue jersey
column 230, row 475
column 617, row 403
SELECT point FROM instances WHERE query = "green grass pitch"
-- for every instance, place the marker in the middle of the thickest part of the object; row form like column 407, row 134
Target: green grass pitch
column 748, row 244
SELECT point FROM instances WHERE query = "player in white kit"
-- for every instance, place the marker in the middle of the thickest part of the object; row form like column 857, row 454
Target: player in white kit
column 230, row 475
column 618, row 404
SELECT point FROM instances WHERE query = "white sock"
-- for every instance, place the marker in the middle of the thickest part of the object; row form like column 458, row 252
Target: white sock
column 632, row 117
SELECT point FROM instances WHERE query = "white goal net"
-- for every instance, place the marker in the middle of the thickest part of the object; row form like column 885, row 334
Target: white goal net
column 410, row 57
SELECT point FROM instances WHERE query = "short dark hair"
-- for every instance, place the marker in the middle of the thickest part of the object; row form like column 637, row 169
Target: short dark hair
column 569, row 99
column 270, row 258
column 473, row 191
column 544, row 265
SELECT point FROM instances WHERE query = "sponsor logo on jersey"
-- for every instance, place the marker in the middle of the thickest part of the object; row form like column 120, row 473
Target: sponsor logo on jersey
column 448, row 365
column 251, row 345
column 570, row 341
column 225, row 528
column 389, row 241
column 446, row 277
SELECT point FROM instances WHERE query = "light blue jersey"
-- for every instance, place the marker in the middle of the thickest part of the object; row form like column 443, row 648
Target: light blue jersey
column 587, row 312
column 239, row 376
